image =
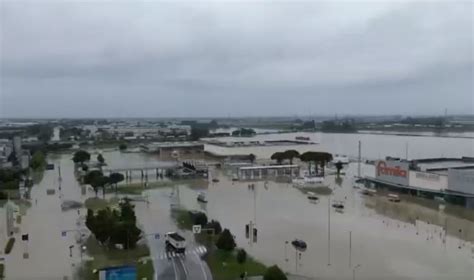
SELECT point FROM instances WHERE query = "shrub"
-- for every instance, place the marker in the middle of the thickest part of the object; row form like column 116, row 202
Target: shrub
column 198, row 218
column 216, row 226
column 123, row 147
column 226, row 241
column 274, row 273
column 241, row 256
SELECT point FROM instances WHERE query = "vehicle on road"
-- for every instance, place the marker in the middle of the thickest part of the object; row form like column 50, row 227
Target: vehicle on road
column 299, row 244
column 393, row 197
column 202, row 197
column 338, row 205
column 312, row 197
column 175, row 242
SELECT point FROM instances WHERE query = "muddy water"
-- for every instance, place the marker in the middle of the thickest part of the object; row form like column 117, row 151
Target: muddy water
column 384, row 239
column 389, row 241
column 44, row 221
column 373, row 146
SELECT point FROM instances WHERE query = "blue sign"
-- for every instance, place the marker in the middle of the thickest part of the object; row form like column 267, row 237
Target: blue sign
column 121, row 273
column 157, row 236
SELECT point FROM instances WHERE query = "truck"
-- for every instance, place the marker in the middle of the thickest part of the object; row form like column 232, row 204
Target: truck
column 175, row 242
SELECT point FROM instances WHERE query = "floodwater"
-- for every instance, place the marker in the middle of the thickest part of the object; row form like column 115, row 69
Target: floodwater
column 384, row 235
column 373, row 146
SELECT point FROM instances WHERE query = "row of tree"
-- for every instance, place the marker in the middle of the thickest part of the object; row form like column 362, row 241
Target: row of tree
column 97, row 180
column 315, row 158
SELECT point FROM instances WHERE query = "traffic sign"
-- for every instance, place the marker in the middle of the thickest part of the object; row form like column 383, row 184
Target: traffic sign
column 197, row 229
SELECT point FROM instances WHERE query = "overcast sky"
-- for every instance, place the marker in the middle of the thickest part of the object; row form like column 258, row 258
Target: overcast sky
column 253, row 58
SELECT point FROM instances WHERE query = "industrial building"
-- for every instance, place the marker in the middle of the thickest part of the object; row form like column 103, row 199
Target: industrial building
column 453, row 183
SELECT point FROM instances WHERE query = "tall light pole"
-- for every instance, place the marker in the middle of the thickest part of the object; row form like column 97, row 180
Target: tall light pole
column 329, row 230
column 359, row 159
column 350, row 248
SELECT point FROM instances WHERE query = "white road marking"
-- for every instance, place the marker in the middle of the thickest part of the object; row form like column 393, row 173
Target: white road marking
column 202, row 269
column 184, row 267
column 175, row 271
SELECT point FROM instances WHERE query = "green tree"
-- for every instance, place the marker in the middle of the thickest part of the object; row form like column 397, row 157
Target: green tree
column 274, row 273
column 338, row 166
column 81, row 156
column 309, row 157
column 291, row 154
column 97, row 180
column 216, row 226
column 320, row 158
column 100, row 159
column 122, row 147
column 241, row 256
column 199, row 218
column 226, row 241
column 323, row 158
column 278, row 156
column 38, row 160
column 113, row 226
column 252, row 158
column 116, row 178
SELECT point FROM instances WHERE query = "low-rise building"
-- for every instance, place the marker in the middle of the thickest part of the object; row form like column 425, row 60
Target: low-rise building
column 456, row 187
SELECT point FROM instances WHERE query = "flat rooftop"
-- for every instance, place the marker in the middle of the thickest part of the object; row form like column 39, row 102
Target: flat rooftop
column 269, row 167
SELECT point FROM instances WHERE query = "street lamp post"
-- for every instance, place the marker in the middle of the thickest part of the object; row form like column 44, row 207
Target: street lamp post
column 350, row 248
column 286, row 251
column 70, row 250
column 354, row 271
column 329, row 230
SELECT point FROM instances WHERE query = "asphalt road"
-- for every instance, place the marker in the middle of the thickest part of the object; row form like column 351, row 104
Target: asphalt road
column 172, row 266
column 155, row 218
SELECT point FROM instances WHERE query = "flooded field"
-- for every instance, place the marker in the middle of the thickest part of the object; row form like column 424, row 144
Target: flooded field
column 388, row 240
column 373, row 146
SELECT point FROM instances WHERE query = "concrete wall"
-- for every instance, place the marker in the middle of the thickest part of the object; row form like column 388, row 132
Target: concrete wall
column 461, row 180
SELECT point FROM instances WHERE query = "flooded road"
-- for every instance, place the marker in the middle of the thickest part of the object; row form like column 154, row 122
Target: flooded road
column 388, row 240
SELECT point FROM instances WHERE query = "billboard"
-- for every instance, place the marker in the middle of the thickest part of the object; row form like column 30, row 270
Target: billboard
column 118, row 273
column 392, row 171
column 461, row 180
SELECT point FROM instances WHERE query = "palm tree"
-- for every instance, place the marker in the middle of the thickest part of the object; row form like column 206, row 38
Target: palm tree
column 323, row 158
column 278, row 156
column 316, row 157
column 291, row 154
column 309, row 157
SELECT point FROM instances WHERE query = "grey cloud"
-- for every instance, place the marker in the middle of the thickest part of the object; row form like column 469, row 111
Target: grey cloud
column 164, row 58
